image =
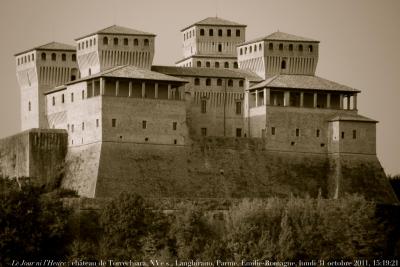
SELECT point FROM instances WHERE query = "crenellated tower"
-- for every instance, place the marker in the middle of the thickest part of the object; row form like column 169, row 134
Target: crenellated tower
column 279, row 53
column 114, row 46
column 211, row 43
column 38, row 70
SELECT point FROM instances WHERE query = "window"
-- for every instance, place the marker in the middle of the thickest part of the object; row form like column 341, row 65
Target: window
column 238, row 132
column 280, row 47
column 219, row 82
column 53, row 56
column 87, row 44
column 259, row 47
column 105, row 41
column 83, row 126
column 271, row 46
column 79, row 46
column 230, row 83
column 226, row 65
column 290, row 47
column 354, row 134
column 83, row 94
column 197, row 81
column 97, row 123
column 144, row 124
column 216, row 64
column 198, row 64
column 91, row 42
column 68, row 127
column 241, row 51
column 245, row 50
column 115, row 41
column 29, row 106
column 18, row 61
column 228, row 32
column 62, row 98
column 72, row 128
column 90, row 71
column 203, row 106
column 208, row 64
column 135, row 42
column 237, row 32
column 342, row 135
column 301, row 48
column 53, row 101
column 72, row 97
column 310, row 48
column 235, row 65
column 210, row 32
column 201, row 32
column 208, row 82
column 125, row 41
column 317, row 133
column 113, row 122
column 297, row 132
column 94, row 41
column 73, row 57
column 63, row 57
column 203, row 131
column 219, row 47
column 174, row 124
column 241, row 83
column 146, row 42
column 219, row 32
column 238, row 108
column 283, row 64
column 255, row 48
column 250, row 49
column 272, row 130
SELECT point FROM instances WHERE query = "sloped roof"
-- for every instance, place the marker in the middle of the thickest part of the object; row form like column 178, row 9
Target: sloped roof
column 53, row 46
column 352, row 117
column 281, row 36
column 296, row 81
column 115, row 29
column 207, row 72
column 215, row 21
column 208, row 56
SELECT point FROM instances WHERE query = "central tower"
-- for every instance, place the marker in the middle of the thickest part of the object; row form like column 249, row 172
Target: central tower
column 211, row 43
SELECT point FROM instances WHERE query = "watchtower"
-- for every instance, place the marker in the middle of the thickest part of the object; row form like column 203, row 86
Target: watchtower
column 38, row 70
column 114, row 46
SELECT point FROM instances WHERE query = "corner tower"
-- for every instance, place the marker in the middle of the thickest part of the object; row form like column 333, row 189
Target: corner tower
column 39, row 70
column 114, row 46
column 279, row 53
column 211, row 43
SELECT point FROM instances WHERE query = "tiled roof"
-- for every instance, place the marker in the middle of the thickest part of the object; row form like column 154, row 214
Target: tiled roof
column 207, row 72
column 352, row 117
column 281, row 36
column 215, row 21
column 54, row 46
column 132, row 72
column 208, row 56
column 115, row 29
column 302, row 82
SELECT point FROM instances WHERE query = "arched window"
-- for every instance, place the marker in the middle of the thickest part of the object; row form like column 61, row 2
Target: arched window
column 208, row 82
column 290, row 47
column 241, row 83
column 125, row 41
column 238, row 33
column 301, row 48
column 63, row 57
column 235, row 65
column 29, row 106
column 73, row 57
column 230, row 83
column 115, row 41
column 197, row 81
column 245, row 50
column 216, row 64
column 198, row 64
column 33, row 57
column 219, row 32
column 74, row 74
column 219, row 82
column 54, row 101
column 283, row 64
column 201, row 32
column 241, row 51
column 271, row 46
column 210, row 32
column 90, row 71
column 226, row 65
column 91, row 42
column 255, row 48
column 310, row 48
column 135, row 42
column 250, row 49
column 43, row 56
column 228, row 32
column 146, row 42
column 105, row 41
column 259, row 47
column 219, row 47
column 94, row 41
column 280, row 47
column 53, row 56
column 208, row 64
column 87, row 44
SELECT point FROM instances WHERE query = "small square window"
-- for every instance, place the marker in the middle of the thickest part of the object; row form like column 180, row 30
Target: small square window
column 354, row 134
column 342, row 135
column 144, row 124
column 297, row 132
column 272, row 130
column 317, row 133
column 114, row 122
column 174, row 124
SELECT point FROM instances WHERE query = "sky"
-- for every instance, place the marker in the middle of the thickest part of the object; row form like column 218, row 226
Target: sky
column 359, row 45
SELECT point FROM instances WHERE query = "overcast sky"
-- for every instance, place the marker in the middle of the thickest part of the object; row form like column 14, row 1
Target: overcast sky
column 359, row 43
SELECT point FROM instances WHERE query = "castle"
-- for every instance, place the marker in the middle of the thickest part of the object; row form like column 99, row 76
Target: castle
column 227, row 121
